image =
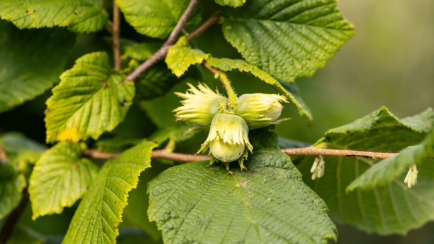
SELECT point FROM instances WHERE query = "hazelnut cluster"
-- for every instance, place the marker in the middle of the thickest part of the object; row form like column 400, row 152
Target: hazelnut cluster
column 228, row 124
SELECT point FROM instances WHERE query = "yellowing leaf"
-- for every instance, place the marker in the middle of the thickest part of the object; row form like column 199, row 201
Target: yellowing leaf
column 100, row 212
column 60, row 178
column 89, row 100
column 181, row 56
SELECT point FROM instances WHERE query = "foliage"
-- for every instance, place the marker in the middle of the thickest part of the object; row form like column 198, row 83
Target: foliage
column 95, row 112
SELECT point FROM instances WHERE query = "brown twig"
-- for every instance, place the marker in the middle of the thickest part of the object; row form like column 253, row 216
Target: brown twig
column 157, row 154
column 116, row 30
column 212, row 20
column 12, row 219
column 305, row 151
column 162, row 52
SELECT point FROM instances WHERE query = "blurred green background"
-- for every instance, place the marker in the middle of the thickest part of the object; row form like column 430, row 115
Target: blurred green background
column 388, row 62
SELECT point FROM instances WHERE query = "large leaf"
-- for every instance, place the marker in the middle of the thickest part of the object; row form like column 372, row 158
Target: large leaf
column 268, row 204
column 99, row 213
column 181, row 56
column 30, row 62
column 90, row 99
column 11, row 185
column 154, row 18
column 392, row 208
column 288, row 38
column 290, row 91
column 388, row 169
column 77, row 15
column 60, row 178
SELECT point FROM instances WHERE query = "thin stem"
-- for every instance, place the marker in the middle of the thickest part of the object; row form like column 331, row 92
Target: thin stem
column 226, row 83
column 178, row 28
column 162, row 52
column 306, row 151
column 212, row 20
column 336, row 153
column 116, row 30
column 157, row 154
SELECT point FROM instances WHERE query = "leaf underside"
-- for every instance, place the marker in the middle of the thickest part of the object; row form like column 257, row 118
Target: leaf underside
column 388, row 169
column 392, row 208
column 288, row 39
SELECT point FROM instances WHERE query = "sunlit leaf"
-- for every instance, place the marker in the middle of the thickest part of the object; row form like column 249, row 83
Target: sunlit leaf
column 100, row 212
column 60, row 178
column 90, row 99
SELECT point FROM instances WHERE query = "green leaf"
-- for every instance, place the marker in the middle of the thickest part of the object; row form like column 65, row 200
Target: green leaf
column 90, row 99
column 231, row 3
column 11, row 185
column 181, row 56
column 395, row 134
column 160, row 109
column 386, row 170
column 267, row 204
column 79, row 15
column 154, row 18
column 178, row 133
column 392, row 208
column 156, row 81
column 99, row 213
column 30, row 62
column 21, row 150
column 290, row 91
column 287, row 38
column 60, row 178
column 24, row 234
column 136, row 212
column 140, row 51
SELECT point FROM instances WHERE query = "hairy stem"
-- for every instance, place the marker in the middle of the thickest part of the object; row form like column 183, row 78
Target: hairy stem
column 116, row 30
column 162, row 52
column 226, row 83
column 306, row 151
